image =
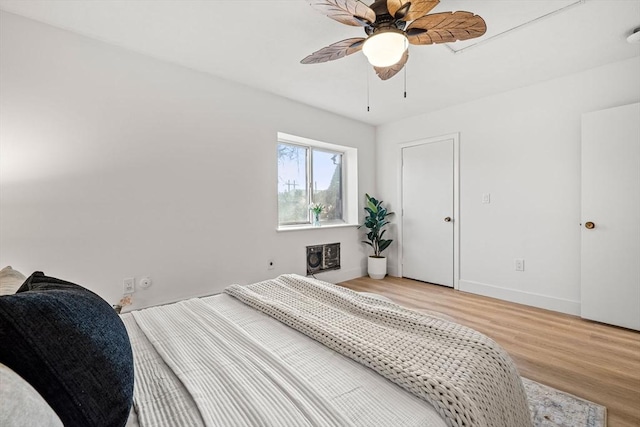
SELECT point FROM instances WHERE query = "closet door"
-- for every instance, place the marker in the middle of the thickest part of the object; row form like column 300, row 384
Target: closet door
column 610, row 271
column 428, row 212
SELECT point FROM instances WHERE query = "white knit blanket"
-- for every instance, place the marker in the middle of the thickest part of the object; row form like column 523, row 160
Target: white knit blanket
column 468, row 377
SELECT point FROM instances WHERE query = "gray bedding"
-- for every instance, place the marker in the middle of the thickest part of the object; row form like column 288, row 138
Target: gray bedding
column 313, row 380
column 465, row 375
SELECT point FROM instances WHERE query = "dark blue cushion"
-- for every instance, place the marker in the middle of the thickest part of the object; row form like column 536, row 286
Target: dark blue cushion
column 72, row 347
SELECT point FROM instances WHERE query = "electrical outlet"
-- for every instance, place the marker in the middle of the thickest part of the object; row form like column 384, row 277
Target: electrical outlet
column 519, row 262
column 128, row 285
column 271, row 264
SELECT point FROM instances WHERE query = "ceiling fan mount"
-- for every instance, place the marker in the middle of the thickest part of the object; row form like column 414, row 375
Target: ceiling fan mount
column 393, row 24
column 384, row 19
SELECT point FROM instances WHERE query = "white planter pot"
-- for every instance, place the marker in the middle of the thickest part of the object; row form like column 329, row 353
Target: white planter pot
column 377, row 267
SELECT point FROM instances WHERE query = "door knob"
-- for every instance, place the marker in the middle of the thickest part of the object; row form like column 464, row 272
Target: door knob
column 590, row 225
column 447, row 219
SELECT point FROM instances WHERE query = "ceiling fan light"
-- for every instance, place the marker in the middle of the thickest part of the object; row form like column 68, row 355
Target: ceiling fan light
column 385, row 48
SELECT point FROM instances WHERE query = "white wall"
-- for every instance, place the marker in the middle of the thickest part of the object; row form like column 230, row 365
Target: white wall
column 522, row 147
column 115, row 165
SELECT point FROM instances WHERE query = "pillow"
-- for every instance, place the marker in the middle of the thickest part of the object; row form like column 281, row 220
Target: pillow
column 72, row 347
column 21, row 405
column 10, row 280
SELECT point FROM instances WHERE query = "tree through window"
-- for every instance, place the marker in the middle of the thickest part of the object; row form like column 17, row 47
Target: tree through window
column 308, row 175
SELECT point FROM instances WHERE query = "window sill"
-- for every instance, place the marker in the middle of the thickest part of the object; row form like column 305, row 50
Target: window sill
column 311, row 227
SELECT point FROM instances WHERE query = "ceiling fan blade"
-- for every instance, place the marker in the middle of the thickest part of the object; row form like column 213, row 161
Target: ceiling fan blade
column 350, row 12
column 335, row 51
column 385, row 73
column 446, row 27
column 418, row 8
column 402, row 12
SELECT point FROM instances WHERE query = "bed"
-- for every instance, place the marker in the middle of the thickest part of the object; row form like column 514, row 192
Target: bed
column 294, row 351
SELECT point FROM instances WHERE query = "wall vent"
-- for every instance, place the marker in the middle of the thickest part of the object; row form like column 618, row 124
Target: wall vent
column 323, row 258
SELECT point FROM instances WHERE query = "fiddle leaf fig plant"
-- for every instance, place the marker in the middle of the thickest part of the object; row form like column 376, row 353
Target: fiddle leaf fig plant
column 375, row 221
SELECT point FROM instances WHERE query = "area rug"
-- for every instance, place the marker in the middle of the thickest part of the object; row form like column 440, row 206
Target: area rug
column 554, row 408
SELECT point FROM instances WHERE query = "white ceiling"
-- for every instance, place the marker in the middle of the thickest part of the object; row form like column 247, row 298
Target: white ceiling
column 260, row 43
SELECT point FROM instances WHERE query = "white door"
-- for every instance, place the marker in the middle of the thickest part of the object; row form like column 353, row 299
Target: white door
column 610, row 272
column 428, row 212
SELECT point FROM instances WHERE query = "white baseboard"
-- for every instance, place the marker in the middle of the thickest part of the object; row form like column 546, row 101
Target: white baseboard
column 526, row 298
column 392, row 271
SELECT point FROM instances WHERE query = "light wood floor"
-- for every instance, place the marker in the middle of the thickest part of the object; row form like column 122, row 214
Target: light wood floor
column 594, row 361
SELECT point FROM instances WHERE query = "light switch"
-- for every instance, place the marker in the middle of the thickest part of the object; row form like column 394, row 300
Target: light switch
column 486, row 198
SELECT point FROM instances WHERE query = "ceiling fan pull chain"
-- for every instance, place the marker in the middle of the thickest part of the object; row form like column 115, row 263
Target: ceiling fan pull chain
column 405, row 82
column 367, row 71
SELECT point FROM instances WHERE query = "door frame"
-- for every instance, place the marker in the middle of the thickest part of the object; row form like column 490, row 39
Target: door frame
column 456, row 198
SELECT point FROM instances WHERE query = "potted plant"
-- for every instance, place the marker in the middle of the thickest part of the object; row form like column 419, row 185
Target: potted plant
column 375, row 221
column 316, row 210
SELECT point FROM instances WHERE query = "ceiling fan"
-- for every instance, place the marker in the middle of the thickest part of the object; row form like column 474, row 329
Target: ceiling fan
column 390, row 26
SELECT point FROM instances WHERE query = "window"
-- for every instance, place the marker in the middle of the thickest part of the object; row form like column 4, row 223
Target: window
column 312, row 172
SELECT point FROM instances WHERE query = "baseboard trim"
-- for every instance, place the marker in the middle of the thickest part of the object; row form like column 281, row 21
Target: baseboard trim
column 520, row 297
column 392, row 271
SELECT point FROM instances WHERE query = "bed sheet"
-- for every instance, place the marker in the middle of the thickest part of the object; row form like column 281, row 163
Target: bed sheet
column 362, row 395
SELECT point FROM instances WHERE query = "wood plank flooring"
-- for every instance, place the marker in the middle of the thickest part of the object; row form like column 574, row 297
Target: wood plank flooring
column 597, row 362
